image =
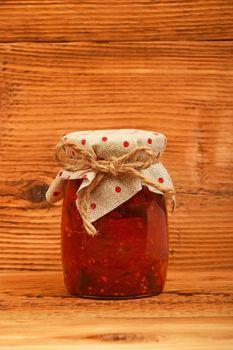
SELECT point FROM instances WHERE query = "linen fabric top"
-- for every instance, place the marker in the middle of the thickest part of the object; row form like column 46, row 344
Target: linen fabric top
column 112, row 191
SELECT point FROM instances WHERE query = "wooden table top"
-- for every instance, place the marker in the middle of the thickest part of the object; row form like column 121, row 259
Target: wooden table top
column 156, row 65
column 195, row 311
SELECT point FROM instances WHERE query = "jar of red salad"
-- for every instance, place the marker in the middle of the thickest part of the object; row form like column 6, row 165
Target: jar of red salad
column 114, row 217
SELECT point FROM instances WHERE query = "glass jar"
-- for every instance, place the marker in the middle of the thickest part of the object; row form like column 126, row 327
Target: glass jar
column 114, row 217
column 127, row 258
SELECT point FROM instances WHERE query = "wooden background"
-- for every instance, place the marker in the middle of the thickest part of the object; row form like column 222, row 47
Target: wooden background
column 157, row 65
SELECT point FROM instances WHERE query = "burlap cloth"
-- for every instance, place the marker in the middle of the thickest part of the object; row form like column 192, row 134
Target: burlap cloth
column 112, row 191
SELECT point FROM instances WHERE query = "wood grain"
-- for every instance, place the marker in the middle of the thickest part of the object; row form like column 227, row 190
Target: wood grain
column 181, row 89
column 98, row 20
column 200, row 234
column 73, row 65
column 36, row 311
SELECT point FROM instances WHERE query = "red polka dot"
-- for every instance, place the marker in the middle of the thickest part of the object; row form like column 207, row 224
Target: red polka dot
column 149, row 141
column 104, row 139
column 118, row 189
column 161, row 180
column 56, row 193
column 60, row 174
column 126, row 144
column 93, row 205
column 83, row 142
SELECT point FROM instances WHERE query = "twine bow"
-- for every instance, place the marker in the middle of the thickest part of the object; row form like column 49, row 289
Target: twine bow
column 129, row 164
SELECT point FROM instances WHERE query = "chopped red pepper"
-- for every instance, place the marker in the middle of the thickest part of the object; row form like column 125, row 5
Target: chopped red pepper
column 129, row 256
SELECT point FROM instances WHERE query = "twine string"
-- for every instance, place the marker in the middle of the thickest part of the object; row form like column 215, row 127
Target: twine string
column 129, row 164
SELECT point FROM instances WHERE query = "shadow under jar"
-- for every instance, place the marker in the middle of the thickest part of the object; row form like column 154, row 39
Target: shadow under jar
column 128, row 257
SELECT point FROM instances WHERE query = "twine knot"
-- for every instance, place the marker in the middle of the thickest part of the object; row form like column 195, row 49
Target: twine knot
column 113, row 166
column 130, row 163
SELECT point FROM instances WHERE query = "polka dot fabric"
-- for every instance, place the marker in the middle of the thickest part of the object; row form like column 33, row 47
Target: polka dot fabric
column 113, row 191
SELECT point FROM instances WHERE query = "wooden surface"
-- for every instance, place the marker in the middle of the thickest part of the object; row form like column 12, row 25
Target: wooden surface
column 195, row 311
column 181, row 89
column 69, row 20
column 155, row 65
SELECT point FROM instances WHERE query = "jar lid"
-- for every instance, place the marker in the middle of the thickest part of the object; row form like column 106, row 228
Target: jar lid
column 107, row 143
column 114, row 188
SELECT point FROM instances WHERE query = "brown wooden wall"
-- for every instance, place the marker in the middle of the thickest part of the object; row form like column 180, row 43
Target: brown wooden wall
column 156, row 65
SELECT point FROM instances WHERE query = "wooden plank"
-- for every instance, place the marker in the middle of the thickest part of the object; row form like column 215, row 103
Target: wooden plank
column 200, row 234
column 88, row 334
column 182, row 89
column 210, row 295
column 46, row 20
column 37, row 311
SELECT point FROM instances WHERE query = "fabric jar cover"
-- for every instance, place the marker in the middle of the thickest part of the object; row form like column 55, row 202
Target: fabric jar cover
column 112, row 191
